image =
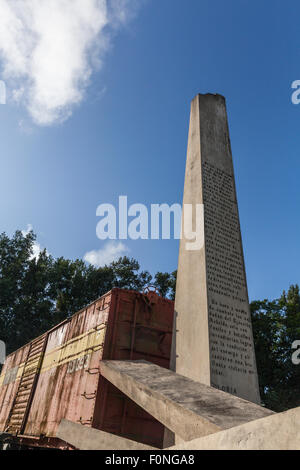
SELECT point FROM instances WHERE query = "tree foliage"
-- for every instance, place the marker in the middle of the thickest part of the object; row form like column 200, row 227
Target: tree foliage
column 276, row 325
column 166, row 284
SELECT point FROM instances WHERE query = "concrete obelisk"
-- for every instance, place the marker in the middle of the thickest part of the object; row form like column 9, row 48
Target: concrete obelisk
column 214, row 341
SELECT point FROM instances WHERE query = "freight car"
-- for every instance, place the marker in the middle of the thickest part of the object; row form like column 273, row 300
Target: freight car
column 58, row 375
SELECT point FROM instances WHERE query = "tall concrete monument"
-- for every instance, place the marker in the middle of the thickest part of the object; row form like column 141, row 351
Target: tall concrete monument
column 214, row 341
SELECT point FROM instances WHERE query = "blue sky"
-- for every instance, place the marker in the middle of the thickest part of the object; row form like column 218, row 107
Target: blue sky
column 127, row 134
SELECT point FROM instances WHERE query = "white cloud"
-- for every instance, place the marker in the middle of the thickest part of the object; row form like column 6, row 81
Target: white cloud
column 112, row 251
column 36, row 249
column 49, row 49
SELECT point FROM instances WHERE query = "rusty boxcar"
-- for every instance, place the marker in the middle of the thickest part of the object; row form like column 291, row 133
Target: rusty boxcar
column 57, row 375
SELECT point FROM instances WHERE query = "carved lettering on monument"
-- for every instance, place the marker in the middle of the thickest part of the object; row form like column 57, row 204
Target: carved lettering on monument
column 229, row 323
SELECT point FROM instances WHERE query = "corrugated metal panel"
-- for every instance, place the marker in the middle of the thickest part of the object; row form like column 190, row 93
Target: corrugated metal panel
column 140, row 327
column 10, row 381
column 65, row 379
column 66, row 387
column 22, row 401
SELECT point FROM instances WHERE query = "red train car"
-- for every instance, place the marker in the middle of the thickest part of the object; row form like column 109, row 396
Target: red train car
column 57, row 375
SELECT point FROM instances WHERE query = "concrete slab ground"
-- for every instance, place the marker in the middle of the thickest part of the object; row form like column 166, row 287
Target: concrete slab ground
column 84, row 438
column 184, row 406
column 277, row 432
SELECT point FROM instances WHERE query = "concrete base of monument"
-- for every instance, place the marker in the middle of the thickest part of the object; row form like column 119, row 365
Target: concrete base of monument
column 278, row 432
column 201, row 417
column 84, row 438
column 187, row 408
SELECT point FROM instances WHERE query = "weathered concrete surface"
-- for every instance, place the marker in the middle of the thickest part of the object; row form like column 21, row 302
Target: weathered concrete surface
column 84, row 438
column 278, row 432
column 187, row 408
column 213, row 343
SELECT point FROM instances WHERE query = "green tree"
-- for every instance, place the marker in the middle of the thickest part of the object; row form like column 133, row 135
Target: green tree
column 24, row 303
column 166, row 284
column 276, row 325
column 127, row 274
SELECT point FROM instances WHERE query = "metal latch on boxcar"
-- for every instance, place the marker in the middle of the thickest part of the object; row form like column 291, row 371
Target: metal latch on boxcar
column 151, row 295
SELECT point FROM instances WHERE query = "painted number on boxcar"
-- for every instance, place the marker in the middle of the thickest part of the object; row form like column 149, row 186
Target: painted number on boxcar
column 79, row 364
